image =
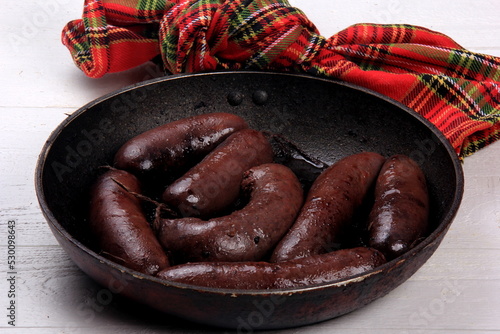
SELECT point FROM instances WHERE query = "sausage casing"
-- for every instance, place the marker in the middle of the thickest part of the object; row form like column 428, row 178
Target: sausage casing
column 247, row 234
column 120, row 226
column 175, row 145
column 329, row 207
column 315, row 269
column 400, row 215
column 214, row 183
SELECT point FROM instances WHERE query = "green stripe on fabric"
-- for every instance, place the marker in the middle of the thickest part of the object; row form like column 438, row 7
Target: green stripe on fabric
column 464, row 60
column 95, row 21
column 151, row 4
column 266, row 56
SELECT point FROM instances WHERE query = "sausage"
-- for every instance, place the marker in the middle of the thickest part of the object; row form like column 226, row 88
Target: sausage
column 329, row 206
column 315, row 269
column 175, row 145
column 214, row 183
column 247, row 234
column 400, row 215
column 120, row 226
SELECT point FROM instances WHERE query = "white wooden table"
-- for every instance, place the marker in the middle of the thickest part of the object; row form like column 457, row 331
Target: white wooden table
column 456, row 291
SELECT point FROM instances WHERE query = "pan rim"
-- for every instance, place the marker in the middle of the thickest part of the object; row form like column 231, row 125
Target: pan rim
column 430, row 239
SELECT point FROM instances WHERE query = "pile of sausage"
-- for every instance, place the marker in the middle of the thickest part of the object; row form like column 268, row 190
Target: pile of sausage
column 233, row 218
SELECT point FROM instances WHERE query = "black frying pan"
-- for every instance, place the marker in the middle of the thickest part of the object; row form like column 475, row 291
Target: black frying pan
column 327, row 120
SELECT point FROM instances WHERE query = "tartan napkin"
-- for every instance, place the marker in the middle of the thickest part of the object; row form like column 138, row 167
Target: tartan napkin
column 457, row 90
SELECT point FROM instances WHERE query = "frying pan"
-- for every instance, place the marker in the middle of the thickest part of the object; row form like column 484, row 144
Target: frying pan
column 326, row 119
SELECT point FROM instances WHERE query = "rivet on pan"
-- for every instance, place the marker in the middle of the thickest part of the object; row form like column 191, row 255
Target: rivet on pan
column 260, row 97
column 235, row 98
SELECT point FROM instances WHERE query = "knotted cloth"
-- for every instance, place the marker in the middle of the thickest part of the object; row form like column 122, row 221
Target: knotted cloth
column 457, row 90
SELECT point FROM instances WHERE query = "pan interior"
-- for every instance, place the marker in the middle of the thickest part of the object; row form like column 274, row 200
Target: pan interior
column 325, row 119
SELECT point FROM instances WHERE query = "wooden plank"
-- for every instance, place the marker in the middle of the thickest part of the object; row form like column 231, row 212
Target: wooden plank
column 24, row 132
column 477, row 224
column 52, row 292
column 456, row 291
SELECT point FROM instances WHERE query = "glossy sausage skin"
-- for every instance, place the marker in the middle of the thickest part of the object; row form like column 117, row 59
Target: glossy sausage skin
column 245, row 235
column 214, row 183
column 329, row 207
column 118, row 223
column 175, row 145
column 400, row 215
column 316, row 269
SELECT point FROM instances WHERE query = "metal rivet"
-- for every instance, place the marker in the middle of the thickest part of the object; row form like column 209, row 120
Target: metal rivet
column 235, row 98
column 260, row 97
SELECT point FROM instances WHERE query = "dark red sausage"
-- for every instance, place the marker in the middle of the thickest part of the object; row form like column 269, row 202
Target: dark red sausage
column 214, row 183
column 247, row 234
column 316, row 269
column 119, row 224
column 329, row 207
column 177, row 144
column 400, row 215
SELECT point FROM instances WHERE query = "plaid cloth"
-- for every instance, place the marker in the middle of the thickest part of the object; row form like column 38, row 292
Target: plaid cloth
column 457, row 90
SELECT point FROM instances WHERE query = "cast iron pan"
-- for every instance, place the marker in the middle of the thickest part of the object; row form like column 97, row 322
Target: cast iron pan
column 327, row 120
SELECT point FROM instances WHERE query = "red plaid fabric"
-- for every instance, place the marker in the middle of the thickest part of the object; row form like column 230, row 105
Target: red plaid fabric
column 457, row 90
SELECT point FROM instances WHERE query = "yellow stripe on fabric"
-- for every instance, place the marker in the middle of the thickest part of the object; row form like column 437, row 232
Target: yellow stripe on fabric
column 127, row 3
column 132, row 40
column 445, row 84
